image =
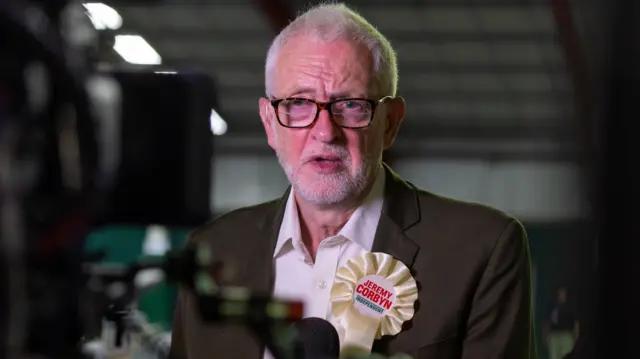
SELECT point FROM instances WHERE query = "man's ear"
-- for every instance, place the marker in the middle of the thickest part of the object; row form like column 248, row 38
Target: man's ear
column 267, row 118
column 395, row 114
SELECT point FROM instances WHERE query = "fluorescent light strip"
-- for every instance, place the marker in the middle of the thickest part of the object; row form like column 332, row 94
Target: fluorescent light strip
column 103, row 17
column 135, row 50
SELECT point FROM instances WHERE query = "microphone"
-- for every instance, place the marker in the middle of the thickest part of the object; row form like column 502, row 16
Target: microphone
column 318, row 339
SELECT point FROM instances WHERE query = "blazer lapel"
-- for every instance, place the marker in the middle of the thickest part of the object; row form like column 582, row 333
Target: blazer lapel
column 260, row 272
column 400, row 212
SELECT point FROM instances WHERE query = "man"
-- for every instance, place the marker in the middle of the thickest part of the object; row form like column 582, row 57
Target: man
column 330, row 112
column 562, row 328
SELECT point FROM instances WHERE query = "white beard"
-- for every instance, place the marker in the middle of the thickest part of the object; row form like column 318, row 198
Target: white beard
column 327, row 189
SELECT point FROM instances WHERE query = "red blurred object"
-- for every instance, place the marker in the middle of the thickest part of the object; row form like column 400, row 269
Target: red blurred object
column 296, row 310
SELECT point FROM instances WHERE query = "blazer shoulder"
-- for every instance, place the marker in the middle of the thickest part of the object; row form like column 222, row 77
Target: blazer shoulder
column 238, row 222
column 470, row 220
column 463, row 208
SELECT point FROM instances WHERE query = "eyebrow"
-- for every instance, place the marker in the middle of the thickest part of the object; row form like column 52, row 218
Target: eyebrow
column 334, row 96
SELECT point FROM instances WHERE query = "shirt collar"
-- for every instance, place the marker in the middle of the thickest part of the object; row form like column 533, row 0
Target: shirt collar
column 290, row 227
column 360, row 228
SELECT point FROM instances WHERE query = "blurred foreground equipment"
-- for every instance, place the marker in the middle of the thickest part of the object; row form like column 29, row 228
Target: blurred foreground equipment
column 49, row 163
column 619, row 191
column 63, row 150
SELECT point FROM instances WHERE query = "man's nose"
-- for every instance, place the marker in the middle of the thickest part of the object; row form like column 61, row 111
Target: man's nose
column 325, row 128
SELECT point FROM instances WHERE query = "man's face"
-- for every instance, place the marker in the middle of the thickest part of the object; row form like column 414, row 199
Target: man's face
column 327, row 164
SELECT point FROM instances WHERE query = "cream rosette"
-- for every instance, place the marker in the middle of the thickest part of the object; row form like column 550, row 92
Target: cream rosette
column 372, row 296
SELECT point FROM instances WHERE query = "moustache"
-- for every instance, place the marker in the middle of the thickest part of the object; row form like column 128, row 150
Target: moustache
column 339, row 153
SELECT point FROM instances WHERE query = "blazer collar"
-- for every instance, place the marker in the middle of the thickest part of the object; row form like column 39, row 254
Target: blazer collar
column 400, row 212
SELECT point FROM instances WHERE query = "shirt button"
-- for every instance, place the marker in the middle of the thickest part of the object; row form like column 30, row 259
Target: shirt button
column 322, row 284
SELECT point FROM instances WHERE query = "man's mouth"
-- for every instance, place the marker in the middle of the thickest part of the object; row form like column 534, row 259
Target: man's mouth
column 326, row 159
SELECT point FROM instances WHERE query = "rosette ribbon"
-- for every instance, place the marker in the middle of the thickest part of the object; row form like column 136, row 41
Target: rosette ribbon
column 372, row 296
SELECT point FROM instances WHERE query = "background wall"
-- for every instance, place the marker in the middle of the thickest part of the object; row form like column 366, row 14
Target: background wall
column 532, row 191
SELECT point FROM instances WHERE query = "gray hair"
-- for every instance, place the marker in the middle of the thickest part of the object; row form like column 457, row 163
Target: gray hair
column 333, row 22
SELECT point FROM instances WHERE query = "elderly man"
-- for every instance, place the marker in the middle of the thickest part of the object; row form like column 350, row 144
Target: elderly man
column 331, row 110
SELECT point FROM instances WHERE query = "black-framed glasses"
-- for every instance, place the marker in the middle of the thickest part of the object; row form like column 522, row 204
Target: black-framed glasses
column 295, row 112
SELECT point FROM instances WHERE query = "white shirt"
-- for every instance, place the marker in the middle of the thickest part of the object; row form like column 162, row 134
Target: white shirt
column 298, row 278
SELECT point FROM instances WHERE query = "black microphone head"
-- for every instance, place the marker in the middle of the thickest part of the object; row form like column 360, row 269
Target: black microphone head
column 318, row 339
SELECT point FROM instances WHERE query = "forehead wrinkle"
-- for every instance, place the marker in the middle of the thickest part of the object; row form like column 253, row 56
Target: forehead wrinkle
column 331, row 73
column 322, row 81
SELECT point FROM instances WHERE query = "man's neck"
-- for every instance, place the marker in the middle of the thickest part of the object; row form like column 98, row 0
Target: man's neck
column 320, row 222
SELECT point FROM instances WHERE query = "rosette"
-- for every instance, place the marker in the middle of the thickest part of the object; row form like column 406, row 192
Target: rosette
column 372, row 296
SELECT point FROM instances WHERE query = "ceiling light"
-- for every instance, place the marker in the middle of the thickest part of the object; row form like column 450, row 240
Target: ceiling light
column 103, row 17
column 218, row 125
column 135, row 50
